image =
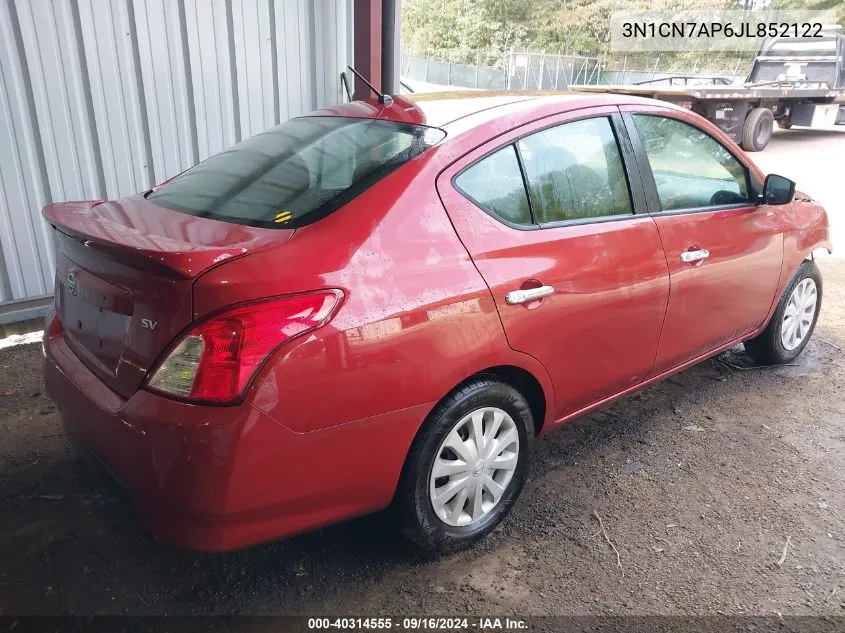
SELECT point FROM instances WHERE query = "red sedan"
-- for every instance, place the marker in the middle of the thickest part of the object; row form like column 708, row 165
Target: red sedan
column 383, row 305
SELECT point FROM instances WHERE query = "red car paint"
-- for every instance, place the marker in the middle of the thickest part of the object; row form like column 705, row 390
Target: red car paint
column 322, row 431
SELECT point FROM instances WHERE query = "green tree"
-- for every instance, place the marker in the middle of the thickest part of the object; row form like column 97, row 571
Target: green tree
column 460, row 29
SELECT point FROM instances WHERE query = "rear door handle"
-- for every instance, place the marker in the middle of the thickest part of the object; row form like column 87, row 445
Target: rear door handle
column 515, row 297
column 694, row 256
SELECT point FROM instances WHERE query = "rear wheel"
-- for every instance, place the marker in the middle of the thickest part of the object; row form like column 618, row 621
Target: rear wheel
column 794, row 320
column 467, row 466
column 758, row 129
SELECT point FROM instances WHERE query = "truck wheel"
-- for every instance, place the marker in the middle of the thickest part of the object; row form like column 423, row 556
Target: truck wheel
column 757, row 130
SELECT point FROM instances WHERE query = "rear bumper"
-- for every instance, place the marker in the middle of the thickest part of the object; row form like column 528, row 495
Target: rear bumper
column 220, row 478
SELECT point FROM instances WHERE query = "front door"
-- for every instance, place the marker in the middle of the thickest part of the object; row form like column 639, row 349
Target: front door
column 724, row 250
column 580, row 282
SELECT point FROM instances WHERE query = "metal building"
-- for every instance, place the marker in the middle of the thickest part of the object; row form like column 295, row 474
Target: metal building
column 104, row 98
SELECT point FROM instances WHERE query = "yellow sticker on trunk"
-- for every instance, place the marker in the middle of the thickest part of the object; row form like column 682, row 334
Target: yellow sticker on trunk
column 283, row 216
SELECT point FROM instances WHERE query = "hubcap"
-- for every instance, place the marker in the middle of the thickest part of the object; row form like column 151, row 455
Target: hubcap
column 473, row 466
column 799, row 313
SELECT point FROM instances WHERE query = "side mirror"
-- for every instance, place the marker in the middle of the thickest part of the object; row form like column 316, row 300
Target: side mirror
column 778, row 190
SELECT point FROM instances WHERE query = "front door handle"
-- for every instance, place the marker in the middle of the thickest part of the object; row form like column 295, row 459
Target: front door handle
column 515, row 297
column 694, row 256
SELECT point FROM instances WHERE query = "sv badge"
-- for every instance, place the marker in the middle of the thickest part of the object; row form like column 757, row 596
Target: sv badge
column 149, row 324
column 71, row 284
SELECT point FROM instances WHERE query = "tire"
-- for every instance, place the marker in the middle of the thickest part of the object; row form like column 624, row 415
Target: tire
column 768, row 348
column 419, row 519
column 758, row 129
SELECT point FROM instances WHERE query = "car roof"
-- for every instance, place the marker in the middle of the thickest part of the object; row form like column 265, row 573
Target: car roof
column 442, row 108
column 454, row 111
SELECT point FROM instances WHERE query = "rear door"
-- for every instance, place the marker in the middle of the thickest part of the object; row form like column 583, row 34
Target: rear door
column 580, row 281
column 724, row 250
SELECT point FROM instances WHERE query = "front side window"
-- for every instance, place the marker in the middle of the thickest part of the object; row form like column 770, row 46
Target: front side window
column 495, row 184
column 691, row 169
column 295, row 173
column 575, row 171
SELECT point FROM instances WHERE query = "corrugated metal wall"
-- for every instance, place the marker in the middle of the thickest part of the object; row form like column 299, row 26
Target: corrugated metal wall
column 104, row 98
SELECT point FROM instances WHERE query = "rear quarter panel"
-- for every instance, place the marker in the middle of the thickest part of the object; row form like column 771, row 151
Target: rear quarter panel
column 416, row 319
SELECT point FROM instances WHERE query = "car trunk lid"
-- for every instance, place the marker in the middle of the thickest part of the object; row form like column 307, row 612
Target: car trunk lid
column 124, row 278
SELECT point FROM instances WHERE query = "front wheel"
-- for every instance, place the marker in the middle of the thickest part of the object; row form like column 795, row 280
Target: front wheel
column 467, row 466
column 794, row 319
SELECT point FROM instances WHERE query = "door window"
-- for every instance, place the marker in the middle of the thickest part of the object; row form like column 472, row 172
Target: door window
column 691, row 169
column 575, row 171
column 495, row 184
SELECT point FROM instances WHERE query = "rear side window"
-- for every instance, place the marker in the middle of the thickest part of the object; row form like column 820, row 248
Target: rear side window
column 691, row 169
column 575, row 171
column 296, row 173
column 495, row 184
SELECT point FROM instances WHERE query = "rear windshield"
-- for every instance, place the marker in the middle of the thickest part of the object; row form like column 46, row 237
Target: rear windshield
column 296, row 173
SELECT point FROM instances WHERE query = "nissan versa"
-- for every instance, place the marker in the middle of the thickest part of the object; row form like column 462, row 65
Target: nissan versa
column 384, row 304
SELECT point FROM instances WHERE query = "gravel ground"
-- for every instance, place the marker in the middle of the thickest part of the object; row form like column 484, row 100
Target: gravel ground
column 699, row 482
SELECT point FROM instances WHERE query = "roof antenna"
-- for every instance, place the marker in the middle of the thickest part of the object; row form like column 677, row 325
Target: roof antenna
column 382, row 98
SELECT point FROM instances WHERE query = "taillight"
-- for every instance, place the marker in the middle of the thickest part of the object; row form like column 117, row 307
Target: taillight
column 52, row 326
column 215, row 361
column 52, row 329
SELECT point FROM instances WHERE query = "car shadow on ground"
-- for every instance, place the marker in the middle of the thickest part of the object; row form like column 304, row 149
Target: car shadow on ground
column 70, row 541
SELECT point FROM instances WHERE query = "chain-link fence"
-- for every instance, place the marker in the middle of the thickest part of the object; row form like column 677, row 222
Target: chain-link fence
column 544, row 71
column 516, row 71
column 447, row 73
column 633, row 69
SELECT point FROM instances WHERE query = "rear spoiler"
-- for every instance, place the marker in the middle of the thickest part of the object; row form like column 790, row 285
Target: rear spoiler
column 140, row 232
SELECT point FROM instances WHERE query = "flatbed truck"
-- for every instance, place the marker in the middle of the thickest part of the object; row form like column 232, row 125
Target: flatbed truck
column 793, row 82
